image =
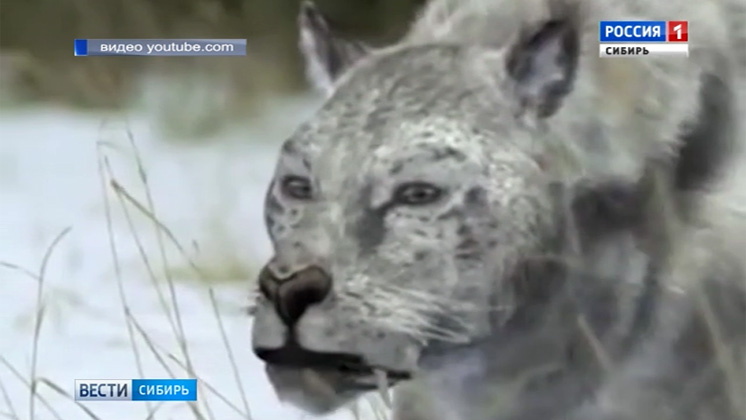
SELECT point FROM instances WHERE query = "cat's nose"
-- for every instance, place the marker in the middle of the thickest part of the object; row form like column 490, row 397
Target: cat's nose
column 293, row 295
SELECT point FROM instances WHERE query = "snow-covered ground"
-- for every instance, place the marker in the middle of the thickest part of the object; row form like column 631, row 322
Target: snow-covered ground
column 208, row 194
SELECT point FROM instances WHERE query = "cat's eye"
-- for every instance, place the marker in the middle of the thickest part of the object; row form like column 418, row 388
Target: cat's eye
column 297, row 187
column 417, row 194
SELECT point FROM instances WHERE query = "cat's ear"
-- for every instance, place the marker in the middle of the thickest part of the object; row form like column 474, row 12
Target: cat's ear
column 543, row 64
column 327, row 56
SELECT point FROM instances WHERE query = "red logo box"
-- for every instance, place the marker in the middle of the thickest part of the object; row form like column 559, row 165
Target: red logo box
column 677, row 31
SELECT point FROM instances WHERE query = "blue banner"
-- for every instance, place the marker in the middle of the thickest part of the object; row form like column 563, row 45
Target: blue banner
column 632, row 31
column 164, row 390
column 160, row 47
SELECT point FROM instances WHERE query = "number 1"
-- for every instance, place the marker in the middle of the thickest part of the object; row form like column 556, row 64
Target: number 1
column 677, row 29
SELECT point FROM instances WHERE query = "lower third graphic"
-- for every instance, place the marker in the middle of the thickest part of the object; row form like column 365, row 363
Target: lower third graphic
column 135, row 390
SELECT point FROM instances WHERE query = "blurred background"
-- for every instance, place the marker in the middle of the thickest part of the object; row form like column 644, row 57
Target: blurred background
column 131, row 193
column 38, row 66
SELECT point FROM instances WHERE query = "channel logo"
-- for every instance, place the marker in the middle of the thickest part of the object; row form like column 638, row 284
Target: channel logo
column 135, row 390
column 641, row 38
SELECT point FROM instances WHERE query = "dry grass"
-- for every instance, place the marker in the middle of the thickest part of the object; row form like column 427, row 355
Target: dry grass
column 34, row 380
column 169, row 304
column 140, row 340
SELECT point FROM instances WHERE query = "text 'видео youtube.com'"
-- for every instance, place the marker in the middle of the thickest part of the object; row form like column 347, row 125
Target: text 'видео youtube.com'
column 160, row 47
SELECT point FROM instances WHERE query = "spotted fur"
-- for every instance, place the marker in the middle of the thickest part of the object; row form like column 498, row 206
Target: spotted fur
column 503, row 218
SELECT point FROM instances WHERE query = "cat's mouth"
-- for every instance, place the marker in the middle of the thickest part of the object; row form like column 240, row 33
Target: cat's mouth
column 319, row 382
column 292, row 356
